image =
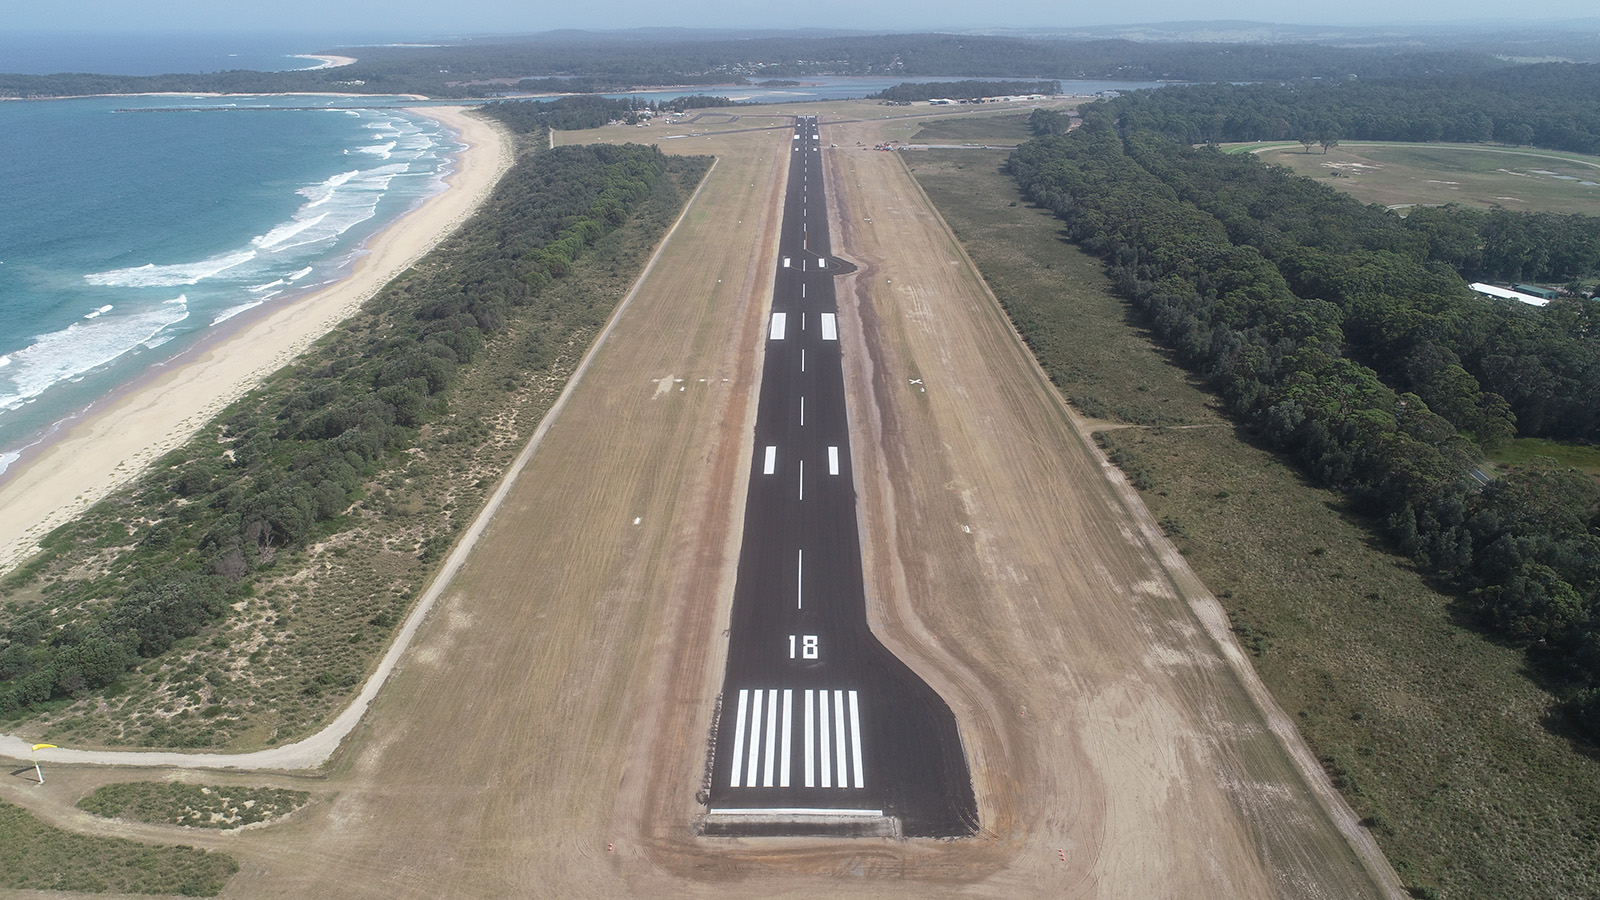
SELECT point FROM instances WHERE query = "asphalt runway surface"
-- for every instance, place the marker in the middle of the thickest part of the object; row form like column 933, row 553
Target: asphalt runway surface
column 821, row 729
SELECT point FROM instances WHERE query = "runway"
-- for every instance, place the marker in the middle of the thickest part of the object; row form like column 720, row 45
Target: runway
column 820, row 728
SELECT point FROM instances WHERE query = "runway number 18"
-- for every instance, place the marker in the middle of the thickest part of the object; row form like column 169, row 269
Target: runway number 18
column 807, row 646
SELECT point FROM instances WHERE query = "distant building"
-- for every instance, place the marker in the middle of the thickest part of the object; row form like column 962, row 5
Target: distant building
column 1536, row 291
column 1489, row 290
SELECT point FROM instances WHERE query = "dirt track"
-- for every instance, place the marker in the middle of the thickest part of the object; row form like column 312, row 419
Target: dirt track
column 546, row 733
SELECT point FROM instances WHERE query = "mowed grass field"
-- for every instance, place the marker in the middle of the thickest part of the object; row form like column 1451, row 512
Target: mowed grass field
column 1395, row 174
column 1435, row 735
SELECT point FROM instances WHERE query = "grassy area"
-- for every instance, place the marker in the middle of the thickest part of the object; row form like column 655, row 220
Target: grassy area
column 1435, row 735
column 293, row 652
column 1521, row 451
column 1009, row 127
column 1469, row 174
column 37, row 857
column 197, row 806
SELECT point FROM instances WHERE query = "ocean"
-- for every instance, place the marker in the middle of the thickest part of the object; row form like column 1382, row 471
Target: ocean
column 136, row 225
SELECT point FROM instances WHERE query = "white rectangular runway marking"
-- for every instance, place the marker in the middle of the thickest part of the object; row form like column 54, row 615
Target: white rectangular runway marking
column 786, row 262
column 802, row 291
column 830, row 327
column 802, row 479
column 779, row 321
column 855, row 739
column 799, row 579
column 825, row 745
column 772, row 736
column 788, row 731
column 833, row 460
column 802, row 360
column 822, row 264
column 802, row 412
column 771, row 463
column 839, row 740
column 755, row 738
column 738, row 739
column 811, row 746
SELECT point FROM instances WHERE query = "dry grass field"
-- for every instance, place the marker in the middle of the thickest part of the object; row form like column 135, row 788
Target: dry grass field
column 546, row 733
column 1517, row 178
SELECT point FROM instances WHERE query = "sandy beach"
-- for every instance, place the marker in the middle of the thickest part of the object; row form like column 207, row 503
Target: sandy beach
column 59, row 479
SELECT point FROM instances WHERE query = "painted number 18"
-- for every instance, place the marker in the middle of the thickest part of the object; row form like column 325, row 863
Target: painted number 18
column 807, row 646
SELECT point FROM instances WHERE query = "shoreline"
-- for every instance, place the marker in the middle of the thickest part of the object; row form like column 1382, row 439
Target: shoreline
column 57, row 478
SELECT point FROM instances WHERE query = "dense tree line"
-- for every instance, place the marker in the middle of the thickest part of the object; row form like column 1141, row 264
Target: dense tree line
column 964, row 90
column 286, row 464
column 1554, row 105
column 481, row 68
column 1336, row 332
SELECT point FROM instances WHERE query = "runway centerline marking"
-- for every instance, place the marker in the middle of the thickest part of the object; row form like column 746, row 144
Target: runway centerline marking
column 799, row 579
column 802, row 479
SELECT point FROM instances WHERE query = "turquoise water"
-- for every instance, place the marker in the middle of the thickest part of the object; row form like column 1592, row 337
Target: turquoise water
column 128, row 235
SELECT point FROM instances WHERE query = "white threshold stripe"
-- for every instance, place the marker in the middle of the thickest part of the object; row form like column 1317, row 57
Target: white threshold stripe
column 798, row 811
column 823, row 744
column 833, row 459
column 738, row 739
column 779, row 320
column 811, row 745
column 788, row 721
column 830, row 327
column 771, row 463
column 772, row 736
column 840, row 740
column 755, row 744
column 855, row 739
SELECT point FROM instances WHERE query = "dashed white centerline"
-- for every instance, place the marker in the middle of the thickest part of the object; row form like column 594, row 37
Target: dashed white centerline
column 802, row 479
column 802, row 412
column 802, row 360
column 799, row 579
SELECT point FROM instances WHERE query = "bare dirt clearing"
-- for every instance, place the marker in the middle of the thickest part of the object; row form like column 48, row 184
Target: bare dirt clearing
column 546, row 734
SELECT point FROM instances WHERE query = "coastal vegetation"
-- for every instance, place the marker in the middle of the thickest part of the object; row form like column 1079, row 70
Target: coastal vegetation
column 38, row 857
column 182, row 611
column 574, row 62
column 1342, row 336
column 1433, row 730
column 191, row 805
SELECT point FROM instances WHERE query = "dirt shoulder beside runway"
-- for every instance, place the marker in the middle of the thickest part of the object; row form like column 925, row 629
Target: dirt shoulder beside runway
column 547, row 731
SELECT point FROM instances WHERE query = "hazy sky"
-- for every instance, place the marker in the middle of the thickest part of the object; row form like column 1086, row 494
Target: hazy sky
column 452, row 17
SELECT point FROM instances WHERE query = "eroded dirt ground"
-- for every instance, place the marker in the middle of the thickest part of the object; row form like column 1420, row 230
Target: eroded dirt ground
column 546, row 735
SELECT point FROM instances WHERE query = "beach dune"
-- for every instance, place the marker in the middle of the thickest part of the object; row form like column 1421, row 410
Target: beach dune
column 58, row 479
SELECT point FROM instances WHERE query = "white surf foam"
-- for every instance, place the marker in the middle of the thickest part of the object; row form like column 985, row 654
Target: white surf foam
column 81, row 347
column 300, row 274
column 175, row 275
column 95, row 314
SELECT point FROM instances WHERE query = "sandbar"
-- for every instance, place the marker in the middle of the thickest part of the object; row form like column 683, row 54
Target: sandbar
column 57, row 480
